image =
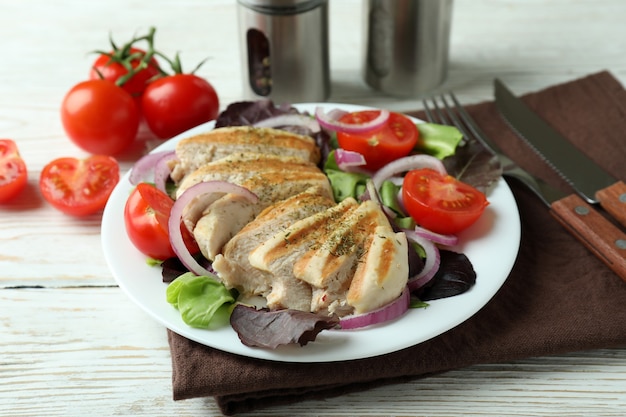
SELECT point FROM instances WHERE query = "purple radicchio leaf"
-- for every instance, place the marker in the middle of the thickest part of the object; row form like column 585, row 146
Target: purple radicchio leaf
column 474, row 165
column 270, row 329
column 456, row 275
column 246, row 113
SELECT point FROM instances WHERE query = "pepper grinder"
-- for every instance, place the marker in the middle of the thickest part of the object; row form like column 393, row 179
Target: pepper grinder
column 284, row 50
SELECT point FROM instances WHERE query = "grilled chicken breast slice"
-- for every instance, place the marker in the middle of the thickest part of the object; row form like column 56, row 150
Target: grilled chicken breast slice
column 194, row 152
column 278, row 254
column 229, row 214
column 239, row 167
column 233, row 266
column 383, row 273
column 330, row 267
column 236, row 169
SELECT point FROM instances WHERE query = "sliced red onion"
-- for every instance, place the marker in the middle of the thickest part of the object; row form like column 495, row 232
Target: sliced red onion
column 400, row 199
column 388, row 312
column 431, row 265
column 144, row 167
column 389, row 212
column 290, row 120
column 162, row 170
column 372, row 192
column 348, row 160
column 176, row 215
column 447, row 240
column 328, row 122
column 408, row 163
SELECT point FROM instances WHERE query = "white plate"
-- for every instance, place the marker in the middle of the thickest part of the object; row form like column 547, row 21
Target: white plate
column 491, row 245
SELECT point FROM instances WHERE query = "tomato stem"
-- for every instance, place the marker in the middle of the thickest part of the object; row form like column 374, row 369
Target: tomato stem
column 124, row 57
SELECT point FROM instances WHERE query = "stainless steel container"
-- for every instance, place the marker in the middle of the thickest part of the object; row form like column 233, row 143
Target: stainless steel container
column 284, row 49
column 407, row 45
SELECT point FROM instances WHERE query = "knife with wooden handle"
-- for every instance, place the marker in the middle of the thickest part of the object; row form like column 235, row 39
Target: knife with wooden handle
column 601, row 237
column 591, row 182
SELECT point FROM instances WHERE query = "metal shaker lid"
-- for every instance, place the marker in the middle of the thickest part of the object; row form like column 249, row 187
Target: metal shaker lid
column 281, row 6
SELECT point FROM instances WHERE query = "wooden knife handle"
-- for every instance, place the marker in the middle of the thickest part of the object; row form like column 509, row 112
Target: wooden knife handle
column 613, row 200
column 598, row 234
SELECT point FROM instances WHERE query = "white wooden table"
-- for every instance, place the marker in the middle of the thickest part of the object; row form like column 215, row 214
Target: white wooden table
column 71, row 343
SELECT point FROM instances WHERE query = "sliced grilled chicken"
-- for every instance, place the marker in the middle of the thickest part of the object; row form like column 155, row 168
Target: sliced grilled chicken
column 230, row 213
column 195, row 152
column 233, row 266
column 237, row 169
column 331, row 266
column 278, row 254
column 382, row 274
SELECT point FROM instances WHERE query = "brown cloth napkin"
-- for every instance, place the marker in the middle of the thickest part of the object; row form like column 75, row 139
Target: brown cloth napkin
column 558, row 298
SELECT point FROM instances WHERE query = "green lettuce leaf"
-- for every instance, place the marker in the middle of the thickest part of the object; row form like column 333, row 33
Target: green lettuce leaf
column 344, row 184
column 437, row 140
column 197, row 298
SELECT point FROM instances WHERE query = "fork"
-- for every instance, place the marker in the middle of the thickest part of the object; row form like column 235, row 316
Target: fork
column 441, row 111
column 588, row 226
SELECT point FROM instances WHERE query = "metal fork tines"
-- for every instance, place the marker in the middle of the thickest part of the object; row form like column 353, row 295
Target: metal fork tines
column 449, row 111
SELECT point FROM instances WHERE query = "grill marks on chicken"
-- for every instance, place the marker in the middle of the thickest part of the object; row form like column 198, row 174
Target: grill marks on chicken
column 295, row 247
column 215, row 219
column 233, row 265
column 197, row 151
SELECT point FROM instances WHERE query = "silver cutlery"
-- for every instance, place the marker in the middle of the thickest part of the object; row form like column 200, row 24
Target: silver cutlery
column 590, row 181
column 599, row 235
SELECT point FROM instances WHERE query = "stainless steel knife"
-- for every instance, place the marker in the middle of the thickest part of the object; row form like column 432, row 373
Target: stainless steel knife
column 589, row 180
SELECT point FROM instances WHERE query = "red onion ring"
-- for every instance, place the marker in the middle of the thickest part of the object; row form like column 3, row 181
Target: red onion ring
column 162, row 170
column 447, row 240
column 406, row 164
column 145, row 166
column 388, row 312
column 290, row 120
column 372, row 193
column 330, row 123
column 431, row 265
column 176, row 215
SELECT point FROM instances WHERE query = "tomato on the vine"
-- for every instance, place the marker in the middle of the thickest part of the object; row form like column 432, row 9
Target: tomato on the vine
column 100, row 117
column 116, row 65
column 395, row 139
column 79, row 187
column 13, row 173
column 178, row 102
column 146, row 216
column 441, row 203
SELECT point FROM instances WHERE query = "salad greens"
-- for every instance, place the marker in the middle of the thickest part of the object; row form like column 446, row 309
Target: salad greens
column 438, row 140
column 198, row 298
column 204, row 302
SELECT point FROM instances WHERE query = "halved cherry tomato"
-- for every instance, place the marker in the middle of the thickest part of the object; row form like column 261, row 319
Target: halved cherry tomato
column 441, row 203
column 146, row 216
column 392, row 141
column 100, row 117
column 176, row 103
column 13, row 173
column 79, row 187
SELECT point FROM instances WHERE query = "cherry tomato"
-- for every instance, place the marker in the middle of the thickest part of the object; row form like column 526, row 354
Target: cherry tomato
column 79, row 187
column 13, row 173
column 393, row 140
column 115, row 66
column 100, row 117
column 441, row 203
column 146, row 217
column 176, row 103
